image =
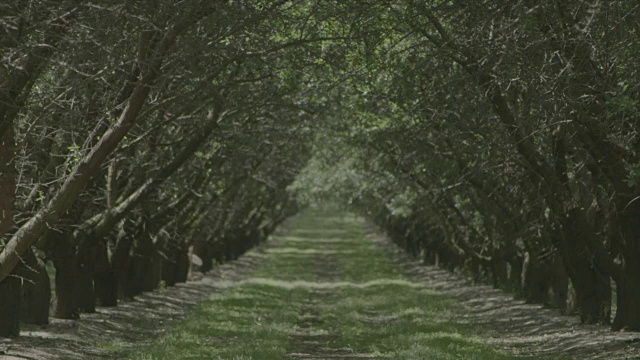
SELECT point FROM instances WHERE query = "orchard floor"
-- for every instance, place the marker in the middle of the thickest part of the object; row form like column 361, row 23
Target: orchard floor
column 325, row 289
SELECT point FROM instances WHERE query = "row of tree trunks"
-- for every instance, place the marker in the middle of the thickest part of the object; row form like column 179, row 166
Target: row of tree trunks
column 537, row 278
column 544, row 281
column 79, row 287
column 84, row 278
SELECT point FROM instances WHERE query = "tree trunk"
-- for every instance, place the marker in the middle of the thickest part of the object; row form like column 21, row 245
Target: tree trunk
column 65, row 305
column 182, row 264
column 10, row 299
column 92, row 260
column 84, row 290
column 593, row 296
column 104, row 279
column 533, row 286
column 169, row 272
column 7, row 180
column 628, row 279
column 499, row 273
column 204, row 250
column 10, row 289
column 559, row 281
column 515, row 275
column 628, row 296
column 143, row 265
column 121, row 265
column 106, row 288
column 155, row 270
column 592, row 284
column 36, row 291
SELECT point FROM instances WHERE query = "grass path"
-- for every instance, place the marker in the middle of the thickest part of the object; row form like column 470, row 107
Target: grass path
column 324, row 292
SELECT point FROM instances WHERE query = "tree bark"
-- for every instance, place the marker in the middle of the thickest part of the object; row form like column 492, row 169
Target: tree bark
column 65, row 305
column 628, row 277
column 533, row 286
column 84, row 290
column 106, row 288
column 143, row 265
column 121, row 265
column 592, row 284
column 36, row 291
column 7, row 180
column 10, row 299
column 10, row 296
column 182, row 264
column 104, row 278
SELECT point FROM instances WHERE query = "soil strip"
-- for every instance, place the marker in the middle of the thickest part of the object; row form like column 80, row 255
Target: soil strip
column 313, row 340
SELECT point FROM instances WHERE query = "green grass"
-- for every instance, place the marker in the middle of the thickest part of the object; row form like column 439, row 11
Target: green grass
column 362, row 305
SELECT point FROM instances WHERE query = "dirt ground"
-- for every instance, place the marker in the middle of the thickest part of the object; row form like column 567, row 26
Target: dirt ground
column 310, row 343
column 529, row 331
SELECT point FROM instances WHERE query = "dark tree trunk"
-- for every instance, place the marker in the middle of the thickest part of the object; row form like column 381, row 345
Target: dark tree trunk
column 559, row 281
column 10, row 288
column 65, row 305
column 182, row 265
column 534, row 288
column 154, row 276
column 499, row 273
column 592, row 284
column 143, row 265
column 204, row 251
column 91, row 259
column 121, row 266
column 628, row 296
column 515, row 275
column 103, row 275
column 217, row 251
column 169, row 272
column 7, row 179
column 628, row 280
column 229, row 249
column 10, row 298
column 84, row 290
column 138, row 268
column 106, row 288
column 593, row 296
column 36, row 291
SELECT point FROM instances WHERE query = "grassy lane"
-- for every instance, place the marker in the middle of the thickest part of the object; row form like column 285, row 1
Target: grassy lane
column 325, row 292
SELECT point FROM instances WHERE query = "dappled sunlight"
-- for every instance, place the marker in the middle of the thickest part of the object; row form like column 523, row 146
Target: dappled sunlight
column 323, row 232
column 311, row 241
column 309, row 251
column 310, row 285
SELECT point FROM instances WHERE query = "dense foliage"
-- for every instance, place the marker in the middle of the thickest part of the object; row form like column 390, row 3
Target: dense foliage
column 498, row 137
